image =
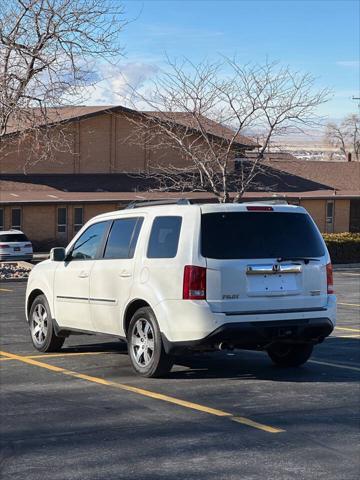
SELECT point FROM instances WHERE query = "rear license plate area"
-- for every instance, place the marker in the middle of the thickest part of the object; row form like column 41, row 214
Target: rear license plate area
column 272, row 284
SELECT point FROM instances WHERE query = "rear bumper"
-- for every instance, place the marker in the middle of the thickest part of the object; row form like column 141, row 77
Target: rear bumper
column 258, row 335
column 16, row 258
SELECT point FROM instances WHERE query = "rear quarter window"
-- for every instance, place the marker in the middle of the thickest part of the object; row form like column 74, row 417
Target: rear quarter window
column 164, row 237
column 238, row 235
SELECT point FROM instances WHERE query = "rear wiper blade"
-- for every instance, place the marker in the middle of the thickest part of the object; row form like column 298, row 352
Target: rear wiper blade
column 306, row 260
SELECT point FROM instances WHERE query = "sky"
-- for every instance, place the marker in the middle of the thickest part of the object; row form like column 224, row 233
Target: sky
column 319, row 37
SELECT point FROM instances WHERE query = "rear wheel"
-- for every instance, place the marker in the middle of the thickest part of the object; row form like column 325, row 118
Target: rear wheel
column 290, row 355
column 145, row 345
column 41, row 327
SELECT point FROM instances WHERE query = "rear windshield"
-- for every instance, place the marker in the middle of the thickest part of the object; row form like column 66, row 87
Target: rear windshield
column 259, row 235
column 13, row 237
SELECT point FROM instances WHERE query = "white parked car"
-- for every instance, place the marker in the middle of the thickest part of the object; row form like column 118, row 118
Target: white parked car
column 174, row 277
column 14, row 245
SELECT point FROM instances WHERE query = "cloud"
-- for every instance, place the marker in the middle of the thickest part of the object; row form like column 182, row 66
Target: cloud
column 116, row 82
column 348, row 63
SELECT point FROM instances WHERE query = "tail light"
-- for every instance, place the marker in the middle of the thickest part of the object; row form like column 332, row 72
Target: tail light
column 27, row 245
column 329, row 278
column 4, row 246
column 194, row 286
column 259, row 208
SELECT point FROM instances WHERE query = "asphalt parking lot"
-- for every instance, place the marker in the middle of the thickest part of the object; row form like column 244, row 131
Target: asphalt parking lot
column 83, row 414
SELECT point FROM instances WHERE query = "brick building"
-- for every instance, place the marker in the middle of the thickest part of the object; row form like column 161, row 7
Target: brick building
column 51, row 199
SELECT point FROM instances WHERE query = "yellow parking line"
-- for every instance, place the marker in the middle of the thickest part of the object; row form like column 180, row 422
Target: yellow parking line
column 50, row 355
column 337, row 365
column 5, row 290
column 350, row 304
column 146, row 393
column 260, row 426
column 347, row 329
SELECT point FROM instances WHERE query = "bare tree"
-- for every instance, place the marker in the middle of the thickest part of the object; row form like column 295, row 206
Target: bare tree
column 202, row 113
column 345, row 136
column 48, row 50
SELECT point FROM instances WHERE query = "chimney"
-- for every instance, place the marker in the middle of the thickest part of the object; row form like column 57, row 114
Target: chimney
column 349, row 156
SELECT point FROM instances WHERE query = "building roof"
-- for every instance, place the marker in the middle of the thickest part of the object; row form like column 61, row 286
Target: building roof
column 18, row 188
column 37, row 197
column 187, row 120
column 336, row 175
column 67, row 114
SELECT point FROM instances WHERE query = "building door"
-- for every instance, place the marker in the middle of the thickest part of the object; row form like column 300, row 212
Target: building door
column 72, row 280
column 355, row 216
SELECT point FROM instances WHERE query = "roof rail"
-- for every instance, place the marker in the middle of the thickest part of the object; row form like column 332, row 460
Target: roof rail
column 150, row 203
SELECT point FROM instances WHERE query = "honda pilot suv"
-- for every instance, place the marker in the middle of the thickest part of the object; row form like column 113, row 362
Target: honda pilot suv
column 175, row 277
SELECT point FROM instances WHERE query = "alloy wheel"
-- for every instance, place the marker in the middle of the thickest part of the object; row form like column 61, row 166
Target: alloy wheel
column 142, row 342
column 39, row 324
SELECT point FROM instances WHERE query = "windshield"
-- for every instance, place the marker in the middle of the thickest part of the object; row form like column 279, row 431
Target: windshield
column 239, row 235
column 13, row 237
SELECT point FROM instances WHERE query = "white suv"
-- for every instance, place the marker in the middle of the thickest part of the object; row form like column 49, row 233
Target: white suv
column 14, row 245
column 174, row 277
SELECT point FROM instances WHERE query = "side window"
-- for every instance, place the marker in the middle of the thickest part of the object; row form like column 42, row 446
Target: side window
column 88, row 243
column 164, row 237
column 123, row 237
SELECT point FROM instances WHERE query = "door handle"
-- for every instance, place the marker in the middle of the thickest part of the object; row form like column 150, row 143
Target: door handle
column 83, row 275
column 124, row 274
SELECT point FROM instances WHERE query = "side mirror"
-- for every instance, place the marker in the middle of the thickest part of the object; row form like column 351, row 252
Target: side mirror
column 57, row 254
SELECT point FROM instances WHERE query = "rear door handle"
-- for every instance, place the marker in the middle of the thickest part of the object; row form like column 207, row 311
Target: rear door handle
column 124, row 274
column 83, row 275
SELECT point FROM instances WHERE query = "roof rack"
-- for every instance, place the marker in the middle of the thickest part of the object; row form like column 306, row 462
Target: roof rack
column 150, row 203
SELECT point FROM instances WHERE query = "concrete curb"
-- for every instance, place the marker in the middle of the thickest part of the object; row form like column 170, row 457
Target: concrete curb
column 12, row 280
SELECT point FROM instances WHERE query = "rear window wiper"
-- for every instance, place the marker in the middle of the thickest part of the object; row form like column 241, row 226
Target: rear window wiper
column 306, row 260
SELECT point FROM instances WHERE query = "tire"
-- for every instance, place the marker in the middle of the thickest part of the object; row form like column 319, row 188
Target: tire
column 290, row 355
column 42, row 328
column 145, row 346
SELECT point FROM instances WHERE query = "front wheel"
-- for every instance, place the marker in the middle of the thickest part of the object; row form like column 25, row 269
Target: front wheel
column 145, row 345
column 290, row 355
column 41, row 326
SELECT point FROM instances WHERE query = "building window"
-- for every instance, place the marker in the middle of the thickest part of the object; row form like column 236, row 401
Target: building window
column 62, row 220
column 1, row 219
column 16, row 218
column 78, row 218
column 330, row 211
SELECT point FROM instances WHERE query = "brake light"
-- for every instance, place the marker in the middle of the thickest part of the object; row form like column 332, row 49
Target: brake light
column 329, row 278
column 259, row 208
column 4, row 246
column 194, row 286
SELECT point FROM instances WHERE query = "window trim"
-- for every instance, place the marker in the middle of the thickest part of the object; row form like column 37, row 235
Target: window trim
column 16, row 227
